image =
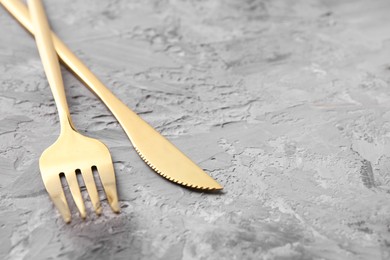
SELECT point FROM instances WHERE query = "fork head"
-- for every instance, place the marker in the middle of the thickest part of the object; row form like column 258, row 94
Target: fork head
column 71, row 153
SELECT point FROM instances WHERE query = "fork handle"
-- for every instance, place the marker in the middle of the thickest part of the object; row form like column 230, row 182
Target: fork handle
column 43, row 38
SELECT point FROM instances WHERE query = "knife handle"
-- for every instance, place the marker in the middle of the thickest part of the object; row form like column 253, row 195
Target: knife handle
column 117, row 107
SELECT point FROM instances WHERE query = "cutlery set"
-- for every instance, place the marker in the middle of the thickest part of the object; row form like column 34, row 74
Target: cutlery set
column 74, row 153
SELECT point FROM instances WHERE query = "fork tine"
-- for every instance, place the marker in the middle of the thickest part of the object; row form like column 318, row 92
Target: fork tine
column 57, row 195
column 76, row 193
column 107, row 177
column 91, row 188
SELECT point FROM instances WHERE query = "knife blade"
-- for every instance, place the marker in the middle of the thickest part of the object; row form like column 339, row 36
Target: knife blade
column 159, row 153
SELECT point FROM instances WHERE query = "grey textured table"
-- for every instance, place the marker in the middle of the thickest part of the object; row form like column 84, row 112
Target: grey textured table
column 285, row 103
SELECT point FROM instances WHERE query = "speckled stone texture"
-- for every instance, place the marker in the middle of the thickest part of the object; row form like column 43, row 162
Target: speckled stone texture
column 285, row 103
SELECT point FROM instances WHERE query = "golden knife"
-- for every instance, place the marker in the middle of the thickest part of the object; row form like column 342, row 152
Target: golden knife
column 160, row 154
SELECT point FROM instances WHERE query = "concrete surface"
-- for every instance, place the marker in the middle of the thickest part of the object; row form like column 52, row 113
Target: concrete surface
column 285, row 103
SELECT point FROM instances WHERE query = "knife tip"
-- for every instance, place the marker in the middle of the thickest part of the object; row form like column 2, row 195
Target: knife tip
column 218, row 187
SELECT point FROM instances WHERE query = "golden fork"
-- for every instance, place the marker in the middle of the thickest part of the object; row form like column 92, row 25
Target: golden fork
column 72, row 152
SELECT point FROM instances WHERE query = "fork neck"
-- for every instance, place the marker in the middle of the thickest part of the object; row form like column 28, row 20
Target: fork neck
column 65, row 121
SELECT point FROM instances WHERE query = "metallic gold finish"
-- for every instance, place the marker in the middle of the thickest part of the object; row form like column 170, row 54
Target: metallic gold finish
column 72, row 151
column 153, row 148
